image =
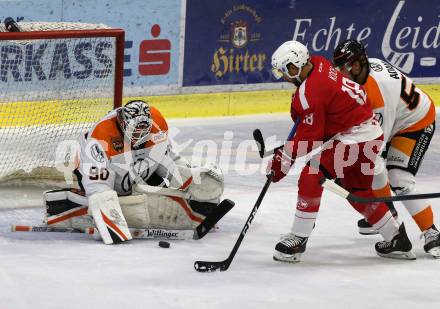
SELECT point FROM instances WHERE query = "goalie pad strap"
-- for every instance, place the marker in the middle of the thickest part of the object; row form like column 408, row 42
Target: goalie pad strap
column 186, row 184
column 75, row 212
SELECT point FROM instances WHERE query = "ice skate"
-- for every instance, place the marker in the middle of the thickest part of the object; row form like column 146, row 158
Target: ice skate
column 432, row 241
column 366, row 228
column 290, row 248
column 398, row 248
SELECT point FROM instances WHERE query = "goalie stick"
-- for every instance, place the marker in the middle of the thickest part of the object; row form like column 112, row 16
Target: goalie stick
column 213, row 217
column 338, row 190
column 199, row 232
column 48, row 228
column 136, row 233
column 206, row 266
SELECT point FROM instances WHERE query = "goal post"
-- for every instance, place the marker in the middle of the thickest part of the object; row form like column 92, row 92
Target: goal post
column 56, row 81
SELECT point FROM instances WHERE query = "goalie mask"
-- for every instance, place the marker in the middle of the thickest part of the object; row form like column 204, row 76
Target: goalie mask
column 290, row 52
column 135, row 122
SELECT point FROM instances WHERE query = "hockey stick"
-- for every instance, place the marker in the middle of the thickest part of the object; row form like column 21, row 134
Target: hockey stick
column 136, row 233
column 258, row 137
column 338, row 190
column 205, row 266
column 56, row 229
column 213, row 217
column 11, row 25
column 199, row 232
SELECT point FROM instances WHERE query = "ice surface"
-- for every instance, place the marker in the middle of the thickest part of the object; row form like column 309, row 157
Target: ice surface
column 339, row 269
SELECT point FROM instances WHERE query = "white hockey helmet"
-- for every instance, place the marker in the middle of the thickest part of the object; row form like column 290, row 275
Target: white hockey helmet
column 135, row 122
column 289, row 52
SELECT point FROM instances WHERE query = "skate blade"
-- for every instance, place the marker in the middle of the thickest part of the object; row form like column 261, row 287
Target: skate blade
column 435, row 252
column 367, row 231
column 399, row 255
column 287, row 258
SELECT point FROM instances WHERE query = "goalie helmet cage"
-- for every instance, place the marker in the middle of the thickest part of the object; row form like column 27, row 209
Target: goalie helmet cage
column 56, row 81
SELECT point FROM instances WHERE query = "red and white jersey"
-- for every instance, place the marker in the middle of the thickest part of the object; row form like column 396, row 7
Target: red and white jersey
column 329, row 105
column 398, row 104
column 107, row 162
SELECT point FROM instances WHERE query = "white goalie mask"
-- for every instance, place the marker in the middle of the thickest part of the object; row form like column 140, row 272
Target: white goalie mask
column 289, row 52
column 135, row 122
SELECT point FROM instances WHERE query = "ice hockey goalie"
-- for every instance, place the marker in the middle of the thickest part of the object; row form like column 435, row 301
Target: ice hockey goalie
column 130, row 177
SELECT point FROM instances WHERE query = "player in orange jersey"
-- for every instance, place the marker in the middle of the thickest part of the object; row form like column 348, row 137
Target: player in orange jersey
column 407, row 117
column 128, row 153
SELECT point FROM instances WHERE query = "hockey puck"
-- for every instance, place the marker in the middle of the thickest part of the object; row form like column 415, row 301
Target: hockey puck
column 164, row 244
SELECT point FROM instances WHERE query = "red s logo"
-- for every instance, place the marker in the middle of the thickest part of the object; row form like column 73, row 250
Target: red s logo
column 154, row 55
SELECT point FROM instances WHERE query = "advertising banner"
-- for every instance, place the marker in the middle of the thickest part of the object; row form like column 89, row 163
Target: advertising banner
column 231, row 42
column 152, row 31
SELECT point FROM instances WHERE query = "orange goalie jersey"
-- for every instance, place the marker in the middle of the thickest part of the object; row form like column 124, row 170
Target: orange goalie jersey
column 107, row 162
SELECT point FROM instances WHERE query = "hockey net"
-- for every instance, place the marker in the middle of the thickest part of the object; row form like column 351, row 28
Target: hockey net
column 56, row 81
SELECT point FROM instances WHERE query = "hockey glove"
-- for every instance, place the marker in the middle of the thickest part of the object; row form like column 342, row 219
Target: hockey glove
column 279, row 165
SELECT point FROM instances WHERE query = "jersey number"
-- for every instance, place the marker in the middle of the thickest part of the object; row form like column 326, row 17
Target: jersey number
column 412, row 98
column 98, row 173
column 354, row 90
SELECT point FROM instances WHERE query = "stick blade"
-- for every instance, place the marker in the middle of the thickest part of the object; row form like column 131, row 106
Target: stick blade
column 215, row 216
column 208, row 267
column 258, row 137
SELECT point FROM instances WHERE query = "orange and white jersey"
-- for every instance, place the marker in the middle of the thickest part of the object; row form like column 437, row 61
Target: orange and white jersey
column 398, row 104
column 107, row 162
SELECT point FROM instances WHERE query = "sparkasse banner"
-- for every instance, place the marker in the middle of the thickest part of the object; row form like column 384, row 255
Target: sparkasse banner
column 239, row 37
column 152, row 31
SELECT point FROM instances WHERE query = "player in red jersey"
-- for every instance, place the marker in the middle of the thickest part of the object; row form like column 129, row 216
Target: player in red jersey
column 329, row 107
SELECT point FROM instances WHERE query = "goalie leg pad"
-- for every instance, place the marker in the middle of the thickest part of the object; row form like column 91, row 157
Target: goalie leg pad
column 135, row 210
column 162, row 211
column 67, row 208
column 171, row 213
column 109, row 219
